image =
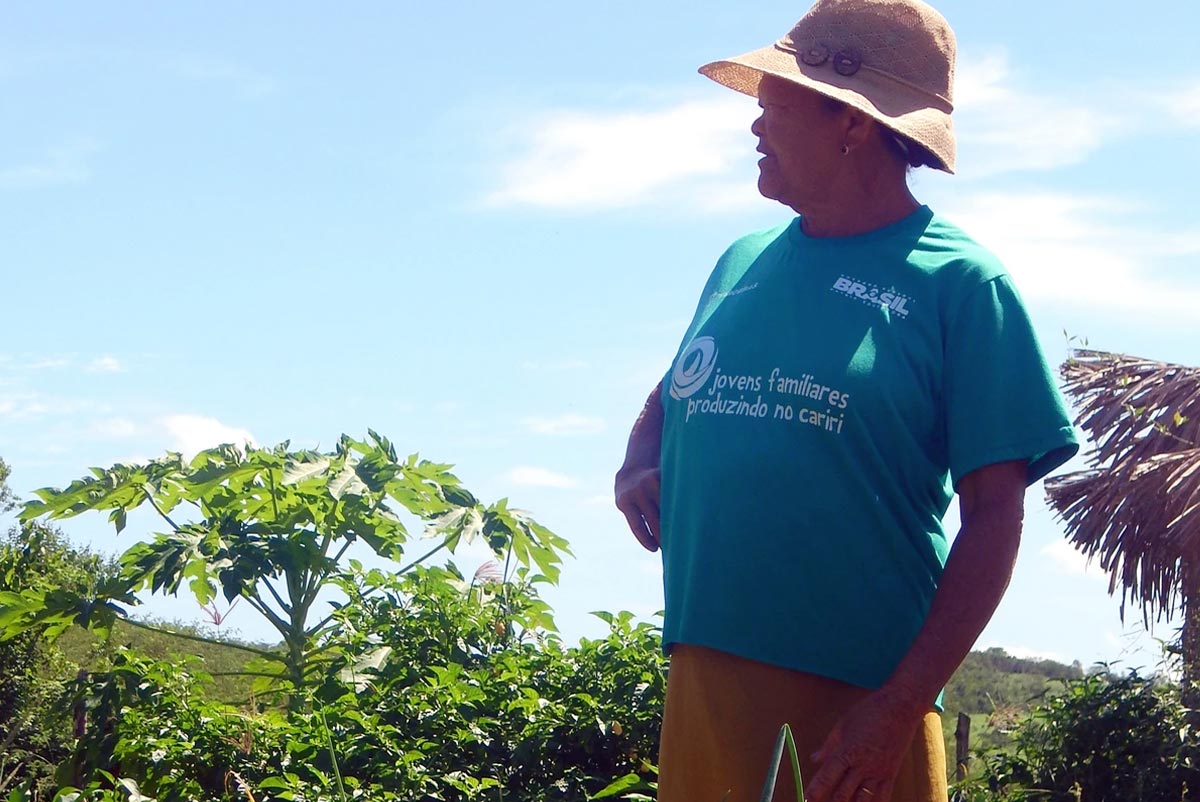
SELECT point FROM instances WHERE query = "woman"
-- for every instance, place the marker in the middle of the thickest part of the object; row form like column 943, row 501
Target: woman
column 845, row 375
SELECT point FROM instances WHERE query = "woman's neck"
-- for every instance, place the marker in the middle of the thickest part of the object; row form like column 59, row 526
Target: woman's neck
column 858, row 201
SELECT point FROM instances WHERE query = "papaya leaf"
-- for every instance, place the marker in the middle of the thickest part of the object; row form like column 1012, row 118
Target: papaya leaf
column 619, row 785
column 273, row 525
column 347, row 483
column 296, row 471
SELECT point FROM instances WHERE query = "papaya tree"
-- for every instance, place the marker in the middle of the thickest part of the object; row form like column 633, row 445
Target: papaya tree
column 269, row 528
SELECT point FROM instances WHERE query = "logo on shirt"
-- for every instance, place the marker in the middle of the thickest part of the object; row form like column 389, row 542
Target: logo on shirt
column 871, row 295
column 693, row 367
column 721, row 296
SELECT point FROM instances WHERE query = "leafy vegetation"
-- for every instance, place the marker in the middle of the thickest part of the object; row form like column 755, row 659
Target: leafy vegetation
column 33, row 672
column 423, row 682
column 1105, row 739
column 220, row 654
column 997, row 690
column 421, row 685
column 269, row 527
column 469, row 704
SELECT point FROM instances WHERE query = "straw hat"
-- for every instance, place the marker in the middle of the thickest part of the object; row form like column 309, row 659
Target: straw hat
column 892, row 59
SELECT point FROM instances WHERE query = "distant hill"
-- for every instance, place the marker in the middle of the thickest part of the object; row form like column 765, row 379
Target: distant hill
column 222, row 662
column 996, row 690
column 993, row 679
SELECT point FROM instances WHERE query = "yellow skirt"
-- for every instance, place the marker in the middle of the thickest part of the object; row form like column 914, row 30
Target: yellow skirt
column 723, row 714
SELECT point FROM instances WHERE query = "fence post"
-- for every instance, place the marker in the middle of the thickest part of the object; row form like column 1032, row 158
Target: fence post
column 962, row 746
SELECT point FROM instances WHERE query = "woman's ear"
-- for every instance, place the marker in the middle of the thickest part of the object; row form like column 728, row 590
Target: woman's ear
column 857, row 127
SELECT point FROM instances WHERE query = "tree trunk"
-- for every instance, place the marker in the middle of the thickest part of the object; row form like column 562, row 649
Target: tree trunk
column 295, row 671
column 1190, row 573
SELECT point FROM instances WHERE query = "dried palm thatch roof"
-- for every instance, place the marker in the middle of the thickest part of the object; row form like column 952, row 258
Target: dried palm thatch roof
column 1137, row 507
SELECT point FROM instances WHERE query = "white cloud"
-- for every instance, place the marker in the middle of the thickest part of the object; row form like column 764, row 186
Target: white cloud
column 62, row 164
column 1000, row 128
column 1184, row 104
column 567, row 424
column 105, row 364
column 588, row 160
column 1081, row 250
column 49, row 363
column 699, row 155
column 249, row 84
column 25, row 405
column 113, row 428
column 539, row 477
column 191, row 434
column 1070, row 561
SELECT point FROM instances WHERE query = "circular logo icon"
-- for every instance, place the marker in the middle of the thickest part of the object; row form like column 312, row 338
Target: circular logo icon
column 693, row 367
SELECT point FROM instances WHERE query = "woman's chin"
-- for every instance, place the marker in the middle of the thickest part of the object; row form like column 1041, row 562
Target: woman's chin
column 768, row 187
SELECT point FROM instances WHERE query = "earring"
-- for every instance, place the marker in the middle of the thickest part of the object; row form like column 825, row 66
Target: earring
column 845, row 150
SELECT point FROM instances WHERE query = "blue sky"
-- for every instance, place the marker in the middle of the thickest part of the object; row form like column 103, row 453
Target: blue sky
column 481, row 229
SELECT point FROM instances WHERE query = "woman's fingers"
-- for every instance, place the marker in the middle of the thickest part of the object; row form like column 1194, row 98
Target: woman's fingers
column 637, row 525
column 650, row 502
column 638, row 499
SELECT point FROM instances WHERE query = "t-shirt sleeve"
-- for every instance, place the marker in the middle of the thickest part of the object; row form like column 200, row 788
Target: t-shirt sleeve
column 1001, row 399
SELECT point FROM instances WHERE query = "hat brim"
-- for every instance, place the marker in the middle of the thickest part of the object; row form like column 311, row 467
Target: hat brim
column 896, row 105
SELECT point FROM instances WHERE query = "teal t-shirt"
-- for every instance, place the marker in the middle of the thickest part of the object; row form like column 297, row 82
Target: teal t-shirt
column 824, row 401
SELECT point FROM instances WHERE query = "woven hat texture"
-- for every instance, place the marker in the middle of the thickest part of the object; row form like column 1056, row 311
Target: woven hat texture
column 892, row 59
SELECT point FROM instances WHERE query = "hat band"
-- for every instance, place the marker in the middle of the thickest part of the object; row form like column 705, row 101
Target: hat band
column 846, row 62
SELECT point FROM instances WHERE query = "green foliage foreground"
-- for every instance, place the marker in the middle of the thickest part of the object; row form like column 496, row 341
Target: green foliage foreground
column 419, row 685
column 1105, row 738
column 32, row 672
column 458, row 707
column 422, row 683
column 269, row 527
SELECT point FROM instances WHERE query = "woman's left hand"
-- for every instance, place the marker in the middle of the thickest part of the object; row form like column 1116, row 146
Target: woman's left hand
column 861, row 756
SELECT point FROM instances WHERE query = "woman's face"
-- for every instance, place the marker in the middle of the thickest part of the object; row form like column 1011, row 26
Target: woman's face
column 800, row 138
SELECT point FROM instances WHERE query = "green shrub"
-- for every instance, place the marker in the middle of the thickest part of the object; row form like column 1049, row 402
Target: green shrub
column 1105, row 739
column 479, row 692
column 33, row 672
column 437, row 690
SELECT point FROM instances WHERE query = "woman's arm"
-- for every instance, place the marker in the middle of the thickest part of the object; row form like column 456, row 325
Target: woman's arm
column 866, row 747
column 638, row 481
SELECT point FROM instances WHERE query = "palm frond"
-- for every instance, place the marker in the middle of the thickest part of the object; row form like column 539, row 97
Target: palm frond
column 1137, row 508
column 1133, row 407
column 1139, row 521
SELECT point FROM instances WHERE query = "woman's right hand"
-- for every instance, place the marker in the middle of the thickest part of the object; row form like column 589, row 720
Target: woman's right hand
column 637, row 491
column 638, row 484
